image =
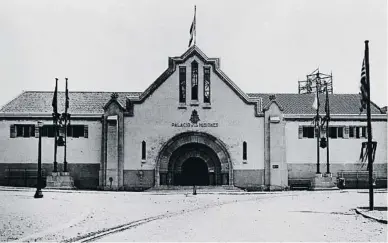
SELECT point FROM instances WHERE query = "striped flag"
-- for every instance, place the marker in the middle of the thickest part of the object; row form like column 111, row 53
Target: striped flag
column 363, row 87
column 193, row 28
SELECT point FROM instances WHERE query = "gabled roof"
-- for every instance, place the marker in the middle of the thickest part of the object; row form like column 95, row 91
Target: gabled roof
column 193, row 51
column 302, row 103
column 80, row 102
column 93, row 102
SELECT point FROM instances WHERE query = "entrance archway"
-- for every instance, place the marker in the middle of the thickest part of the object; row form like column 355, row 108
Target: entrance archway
column 194, row 172
column 208, row 153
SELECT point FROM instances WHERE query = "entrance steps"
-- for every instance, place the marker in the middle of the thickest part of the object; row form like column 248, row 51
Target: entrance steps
column 223, row 188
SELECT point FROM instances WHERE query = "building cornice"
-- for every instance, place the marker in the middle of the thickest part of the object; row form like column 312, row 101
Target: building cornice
column 335, row 117
column 45, row 115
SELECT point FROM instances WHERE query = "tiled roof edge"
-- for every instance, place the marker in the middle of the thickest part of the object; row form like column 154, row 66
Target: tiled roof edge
column 6, row 104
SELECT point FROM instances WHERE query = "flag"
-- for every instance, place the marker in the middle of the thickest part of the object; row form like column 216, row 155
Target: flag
column 327, row 108
column 193, row 28
column 316, row 101
column 55, row 98
column 67, row 98
column 363, row 87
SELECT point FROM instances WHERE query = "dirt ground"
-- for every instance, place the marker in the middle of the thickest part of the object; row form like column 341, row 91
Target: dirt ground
column 180, row 216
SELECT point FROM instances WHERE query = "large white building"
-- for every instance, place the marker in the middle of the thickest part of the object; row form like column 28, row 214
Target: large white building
column 192, row 125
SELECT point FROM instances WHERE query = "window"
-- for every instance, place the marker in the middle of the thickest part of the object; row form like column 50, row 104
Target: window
column 206, row 84
column 25, row 130
column 336, row 132
column 143, row 150
column 308, row 132
column 358, row 132
column 194, row 80
column 244, row 150
column 351, row 132
column 182, row 84
column 75, row 131
column 340, row 132
column 333, row 132
column 363, row 133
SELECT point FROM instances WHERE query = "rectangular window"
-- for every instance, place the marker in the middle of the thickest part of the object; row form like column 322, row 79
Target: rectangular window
column 333, row 132
column 182, row 84
column 340, row 132
column 194, row 80
column 19, row 131
column 357, row 132
column 78, row 131
column 308, row 132
column 23, row 130
column 363, row 133
column 75, row 131
column 351, row 132
column 50, row 131
column 69, row 131
column 206, row 84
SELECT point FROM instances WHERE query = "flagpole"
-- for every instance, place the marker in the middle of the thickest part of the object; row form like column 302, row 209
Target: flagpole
column 370, row 162
column 195, row 24
column 318, row 131
column 327, row 130
column 66, row 104
column 55, row 125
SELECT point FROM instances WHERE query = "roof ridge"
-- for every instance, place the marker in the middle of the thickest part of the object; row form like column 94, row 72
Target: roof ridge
column 77, row 91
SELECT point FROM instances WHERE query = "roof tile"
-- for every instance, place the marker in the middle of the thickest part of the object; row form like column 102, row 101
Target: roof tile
column 93, row 102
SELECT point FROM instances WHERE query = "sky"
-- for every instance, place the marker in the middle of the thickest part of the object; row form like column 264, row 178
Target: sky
column 264, row 46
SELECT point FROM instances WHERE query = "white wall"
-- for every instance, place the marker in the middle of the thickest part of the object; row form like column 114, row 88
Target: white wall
column 25, row 150
column 341, row 150
column 152, row 122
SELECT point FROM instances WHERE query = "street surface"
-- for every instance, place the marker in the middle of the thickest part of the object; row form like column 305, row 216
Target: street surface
column 180, row 216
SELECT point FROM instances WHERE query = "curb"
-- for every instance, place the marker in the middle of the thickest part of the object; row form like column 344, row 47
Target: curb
column 384, row 221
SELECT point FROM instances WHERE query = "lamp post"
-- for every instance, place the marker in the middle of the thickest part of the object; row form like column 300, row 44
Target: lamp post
column 38, row 193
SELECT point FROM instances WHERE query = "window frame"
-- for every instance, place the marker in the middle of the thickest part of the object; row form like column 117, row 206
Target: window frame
column 206, row 84
column 182, row 84
column 194, row 81
column 143, row 150
column 245, row 151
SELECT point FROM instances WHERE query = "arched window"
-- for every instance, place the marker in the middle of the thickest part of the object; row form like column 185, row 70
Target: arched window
column 182, row 84
column 206, row 84
column 244, row 150
column 194, row 80
column 143, row 150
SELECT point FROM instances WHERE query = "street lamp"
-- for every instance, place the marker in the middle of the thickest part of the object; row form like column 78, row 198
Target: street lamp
column 38, row 193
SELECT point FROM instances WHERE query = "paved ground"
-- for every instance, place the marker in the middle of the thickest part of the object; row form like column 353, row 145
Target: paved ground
column 286, row 216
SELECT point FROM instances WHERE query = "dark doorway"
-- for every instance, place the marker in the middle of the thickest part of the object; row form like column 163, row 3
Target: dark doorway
column 194, row 172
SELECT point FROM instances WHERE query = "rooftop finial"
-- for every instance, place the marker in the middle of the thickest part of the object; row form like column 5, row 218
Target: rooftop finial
column 114, row 96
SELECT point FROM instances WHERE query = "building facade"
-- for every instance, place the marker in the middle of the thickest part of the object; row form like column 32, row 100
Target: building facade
column 193, row 125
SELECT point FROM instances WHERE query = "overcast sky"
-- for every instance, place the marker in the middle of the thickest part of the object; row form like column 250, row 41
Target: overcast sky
column 264, row 46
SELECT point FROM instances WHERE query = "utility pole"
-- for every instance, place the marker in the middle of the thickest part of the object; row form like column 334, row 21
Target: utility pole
column 327, row 107
column 369, row 123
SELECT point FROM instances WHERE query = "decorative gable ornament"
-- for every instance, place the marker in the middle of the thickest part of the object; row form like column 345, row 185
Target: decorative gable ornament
column 194, row 117
column 114, row 96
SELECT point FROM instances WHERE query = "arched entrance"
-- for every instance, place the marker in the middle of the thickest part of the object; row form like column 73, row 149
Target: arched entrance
column 193, row 157
column 194, row 172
